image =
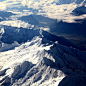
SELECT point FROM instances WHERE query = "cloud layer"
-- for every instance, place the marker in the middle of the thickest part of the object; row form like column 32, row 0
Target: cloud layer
column 47, row 8
column 17, row 23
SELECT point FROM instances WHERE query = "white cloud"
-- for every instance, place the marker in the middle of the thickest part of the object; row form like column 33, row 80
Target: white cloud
column 24, row 2
column 16, row 23
column 2, row 6
column 60, row 12
column 43, row 7
column 46, row 29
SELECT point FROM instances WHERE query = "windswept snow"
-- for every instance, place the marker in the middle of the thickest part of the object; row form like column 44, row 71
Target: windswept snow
column 30, row 56
column 4, row 47
column 40, row 61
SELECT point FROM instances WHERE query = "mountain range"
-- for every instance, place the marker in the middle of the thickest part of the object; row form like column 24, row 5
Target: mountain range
column 4, row 15
column 58, row 2
column 34, row 50
column 41, row 60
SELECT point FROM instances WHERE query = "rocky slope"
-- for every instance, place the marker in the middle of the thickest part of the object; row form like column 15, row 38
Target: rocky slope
column 39, row 61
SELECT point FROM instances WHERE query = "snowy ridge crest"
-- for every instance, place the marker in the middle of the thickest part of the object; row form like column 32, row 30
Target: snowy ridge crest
column 40, row 61
column 8, row 35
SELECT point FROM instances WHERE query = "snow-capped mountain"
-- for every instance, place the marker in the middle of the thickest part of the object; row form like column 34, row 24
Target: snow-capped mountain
column 30, row 56
column 10, row 34
column 4, row 15
column 39, row 61
column 30, row 19
column 79, row 11
column 68, row 1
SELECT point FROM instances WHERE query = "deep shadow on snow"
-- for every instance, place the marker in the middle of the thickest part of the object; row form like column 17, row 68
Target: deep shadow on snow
column 21, row 35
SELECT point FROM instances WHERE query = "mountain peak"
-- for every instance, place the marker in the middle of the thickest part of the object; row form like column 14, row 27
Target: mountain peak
column 30, row 19
column 38, row 60
column 20, row 35
column 36, row 57
column 58, row 2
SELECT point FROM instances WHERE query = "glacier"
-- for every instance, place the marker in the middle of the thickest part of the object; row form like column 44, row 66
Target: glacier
column 34, row 57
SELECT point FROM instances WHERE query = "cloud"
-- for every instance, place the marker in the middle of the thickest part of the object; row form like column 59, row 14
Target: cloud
column 46, row 29
column 24, row 2
column 47, row 8
column 2, row 6
column 8, row 4
column 17, row 23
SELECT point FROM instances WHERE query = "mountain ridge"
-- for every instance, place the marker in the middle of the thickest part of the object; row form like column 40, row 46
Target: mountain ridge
column 58, row 2
column 10, row 34
column 42, row 62
column 34, row 57
column 39, row 60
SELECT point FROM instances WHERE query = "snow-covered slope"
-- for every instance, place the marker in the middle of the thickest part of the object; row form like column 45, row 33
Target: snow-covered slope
column 10, row 34
column 40, row 61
